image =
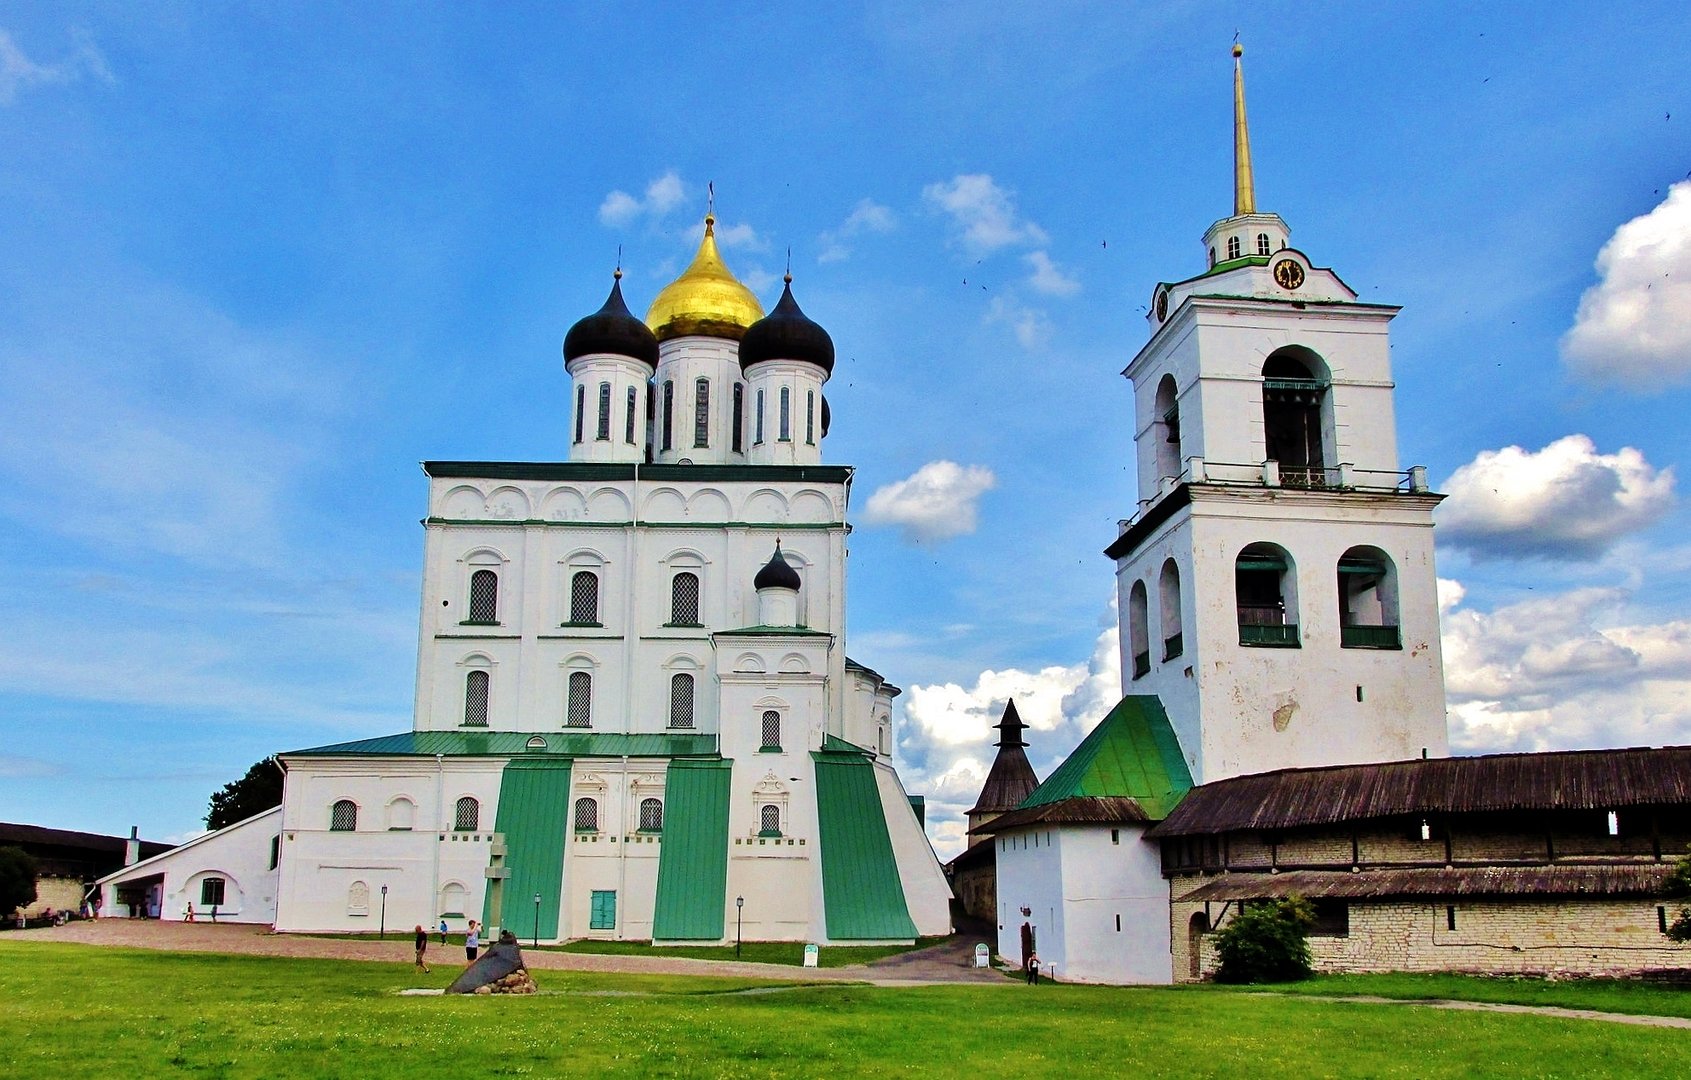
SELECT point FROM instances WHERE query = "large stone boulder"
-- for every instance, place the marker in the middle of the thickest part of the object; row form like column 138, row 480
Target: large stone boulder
column 500, row 970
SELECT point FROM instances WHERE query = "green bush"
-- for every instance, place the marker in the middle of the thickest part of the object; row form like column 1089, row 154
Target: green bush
column 1267, row 942
column 17, row 879
column 1679, row 884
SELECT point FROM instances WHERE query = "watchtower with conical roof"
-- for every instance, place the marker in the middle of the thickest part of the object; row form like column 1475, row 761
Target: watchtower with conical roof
column 1010, row 780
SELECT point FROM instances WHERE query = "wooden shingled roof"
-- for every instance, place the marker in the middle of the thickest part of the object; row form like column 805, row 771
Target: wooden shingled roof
column 1565, row 780
column 1011, row 778
column 1610, row 880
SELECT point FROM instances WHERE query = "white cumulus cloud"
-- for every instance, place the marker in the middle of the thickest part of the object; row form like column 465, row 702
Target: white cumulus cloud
column 936, row 502
column 18, row 72
column 1634, row 326
column 984, row 214
column 1029, row 324
column 1047, row 277
column 867, row 216
column 662, row 195
column 1564, row 501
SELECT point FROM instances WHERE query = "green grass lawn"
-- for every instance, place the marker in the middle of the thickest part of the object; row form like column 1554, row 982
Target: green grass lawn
column 75, row 1011
column 759, row 952
column 1603, row 995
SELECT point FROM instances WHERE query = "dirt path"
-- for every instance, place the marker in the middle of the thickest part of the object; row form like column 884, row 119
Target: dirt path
column 927, row 967
column 1496, row 1006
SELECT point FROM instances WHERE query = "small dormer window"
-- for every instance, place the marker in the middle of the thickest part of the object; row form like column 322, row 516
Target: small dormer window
column 1232, row 247
column 1262, row 244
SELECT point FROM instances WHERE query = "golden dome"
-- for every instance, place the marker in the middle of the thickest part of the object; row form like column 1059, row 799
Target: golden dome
column 706, row 299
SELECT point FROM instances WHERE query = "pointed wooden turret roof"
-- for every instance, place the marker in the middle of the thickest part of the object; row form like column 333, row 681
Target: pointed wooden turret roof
column 1011, row 779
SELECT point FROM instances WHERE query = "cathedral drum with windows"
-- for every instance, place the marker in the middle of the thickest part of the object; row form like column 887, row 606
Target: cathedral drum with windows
column 634, row 705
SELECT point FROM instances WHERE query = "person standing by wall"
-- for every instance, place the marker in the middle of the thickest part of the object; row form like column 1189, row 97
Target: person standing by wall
column 422, row 947
column 472, row 941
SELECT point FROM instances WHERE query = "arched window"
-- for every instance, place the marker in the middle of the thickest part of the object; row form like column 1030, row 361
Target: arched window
column 1262, row 244
column 212, row 892
column 1265, row 588
column 467, row 816
column 737, row 437
column 1138, row 629
column 584, row 597
column 580, row 409
column 1294, row 415
column 668, row 412
column 475, row 698
column 628, row 426
column 1166, row 432
column 769, row 820
column 1368, row 608
column 604, row 434
column 580, row 711
column 701, row 412
column 343, row 816
column 651, row 815
column 684, row 599
column 1232, row 247
column 786, row 414
column 484, row 597
column 1168, row 607
column 757, row 436
column 587, row 815
column 681, row 700
column 810, row 417
column 771, row 729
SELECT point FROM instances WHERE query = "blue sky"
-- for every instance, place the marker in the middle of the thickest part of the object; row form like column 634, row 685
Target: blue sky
column 260, row 261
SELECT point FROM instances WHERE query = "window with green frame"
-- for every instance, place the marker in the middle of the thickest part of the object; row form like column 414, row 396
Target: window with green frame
column 604, row 914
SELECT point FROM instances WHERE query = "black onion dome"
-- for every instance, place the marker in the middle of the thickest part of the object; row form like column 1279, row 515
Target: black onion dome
column 787, row 334
column 612, row 329
column 827, row 417
column 776, row 574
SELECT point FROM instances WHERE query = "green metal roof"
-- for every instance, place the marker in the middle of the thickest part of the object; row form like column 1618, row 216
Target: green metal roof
column 693, row 865
column 862, row 896
column 502, row 743
column 534, row 811
column 1132, row 752
column 834, row 742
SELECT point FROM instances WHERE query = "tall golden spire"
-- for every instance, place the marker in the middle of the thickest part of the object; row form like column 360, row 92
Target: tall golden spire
column 1244, row 186
column 706, row 299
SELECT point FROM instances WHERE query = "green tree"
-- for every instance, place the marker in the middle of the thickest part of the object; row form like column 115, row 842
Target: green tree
column 1267, row 942
column 257, row 791
column 17, row 879
column 1679, row 884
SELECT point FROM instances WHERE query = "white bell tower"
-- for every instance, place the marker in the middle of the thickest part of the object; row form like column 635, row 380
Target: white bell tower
column 1276, row 583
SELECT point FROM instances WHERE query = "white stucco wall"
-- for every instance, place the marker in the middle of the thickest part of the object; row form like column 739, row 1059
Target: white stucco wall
column 1030, row 874
column 926, row 893
column 239, row 854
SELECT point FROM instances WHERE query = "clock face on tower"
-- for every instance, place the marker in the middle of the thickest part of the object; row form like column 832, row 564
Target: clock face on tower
column 1162, row 304
column 1288, row 274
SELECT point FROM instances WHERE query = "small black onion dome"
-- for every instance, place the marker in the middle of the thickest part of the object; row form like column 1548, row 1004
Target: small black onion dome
column 612, row 329
column 827, row 417
column 776, row 574
column 787, row 334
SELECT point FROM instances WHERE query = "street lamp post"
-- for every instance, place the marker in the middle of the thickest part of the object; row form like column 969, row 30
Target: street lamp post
column 537, row 920
column 739, row 912
column 383, row 932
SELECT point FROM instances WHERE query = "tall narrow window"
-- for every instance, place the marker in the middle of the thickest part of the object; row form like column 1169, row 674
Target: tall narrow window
column 668, row 412
column 1166, row 434
column 628, row 427
column 604, row 434
column 580, row 409
column 701, row 413
column 684, row 599
column 1138, row 629
column 771, row 729
column 343, row 816
column 475, row 699
column 681, row 700
column 769, row 820
column 786, row 414
column 584, row 597
column 1232, row 247
column 651, row 815
column 275, row 851
column 1168, row 599
column 738, row 436
column 810, row 417
column 580, row 712
column 484, row 597
column 757, row 436
column 587, row 815
column 468, row 815
column 1262, row 244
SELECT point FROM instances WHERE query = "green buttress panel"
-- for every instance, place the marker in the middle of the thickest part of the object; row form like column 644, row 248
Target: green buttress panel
column 861, row 893
column 693, row 863
column 534, row 816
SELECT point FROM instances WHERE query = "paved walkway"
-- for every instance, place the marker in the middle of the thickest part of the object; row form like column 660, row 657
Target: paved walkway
column 939, row 965
column 1495, row 1006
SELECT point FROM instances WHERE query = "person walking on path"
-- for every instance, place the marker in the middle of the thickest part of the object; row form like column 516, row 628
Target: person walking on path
column 422, row 947
column 443, row 930
column 1033, row 969
column 472, row 940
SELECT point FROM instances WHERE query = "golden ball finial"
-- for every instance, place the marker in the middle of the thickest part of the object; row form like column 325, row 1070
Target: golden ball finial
column 1238, row 50
column 618, row 274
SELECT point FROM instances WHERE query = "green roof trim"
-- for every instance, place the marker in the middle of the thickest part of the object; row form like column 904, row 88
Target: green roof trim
column 1132, row 752
column 835, row 744
column 862, row 897
column 772, row 631
column 610, row 471
column 466, row 743
column 534, row 812
column 693, row 864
